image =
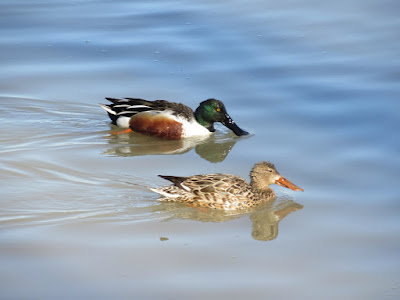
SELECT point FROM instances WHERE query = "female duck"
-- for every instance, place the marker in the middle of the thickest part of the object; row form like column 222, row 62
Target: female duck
column 169, row 120
column 224, row 191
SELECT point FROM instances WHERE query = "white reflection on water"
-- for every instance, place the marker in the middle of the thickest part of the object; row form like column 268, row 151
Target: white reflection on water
column 214, row 148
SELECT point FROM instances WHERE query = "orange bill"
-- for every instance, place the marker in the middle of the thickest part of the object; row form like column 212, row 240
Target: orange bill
column 282, row 181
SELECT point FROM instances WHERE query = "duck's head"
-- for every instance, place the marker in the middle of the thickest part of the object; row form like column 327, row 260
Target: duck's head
column 213, row 110
column 264, row 174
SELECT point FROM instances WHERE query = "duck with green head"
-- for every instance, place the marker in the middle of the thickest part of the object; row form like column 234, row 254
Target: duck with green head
column 169, row 120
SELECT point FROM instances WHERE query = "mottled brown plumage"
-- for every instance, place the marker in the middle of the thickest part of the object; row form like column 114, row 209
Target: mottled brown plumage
column 224, row 191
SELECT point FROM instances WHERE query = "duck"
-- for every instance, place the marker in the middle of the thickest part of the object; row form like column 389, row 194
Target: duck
column 225, row 191
column 169, row 120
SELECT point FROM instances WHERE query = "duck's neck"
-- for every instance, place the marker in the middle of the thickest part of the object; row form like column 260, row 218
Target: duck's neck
column 202, row 120
column 264, row 193
column 261, row 189
column 267, row 194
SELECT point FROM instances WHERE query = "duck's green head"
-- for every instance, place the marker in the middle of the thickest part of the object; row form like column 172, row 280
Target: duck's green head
column 213, row 110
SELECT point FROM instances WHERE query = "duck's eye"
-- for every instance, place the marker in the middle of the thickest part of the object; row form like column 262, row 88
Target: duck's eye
column 218, row 109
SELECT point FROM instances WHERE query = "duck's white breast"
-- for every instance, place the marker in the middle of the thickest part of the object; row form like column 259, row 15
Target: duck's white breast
column 191, row 127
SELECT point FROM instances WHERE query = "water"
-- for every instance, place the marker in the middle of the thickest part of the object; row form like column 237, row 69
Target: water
column 317, row 85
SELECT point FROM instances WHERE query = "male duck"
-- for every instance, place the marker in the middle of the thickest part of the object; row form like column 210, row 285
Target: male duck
column 224, row 191
column 169, row 120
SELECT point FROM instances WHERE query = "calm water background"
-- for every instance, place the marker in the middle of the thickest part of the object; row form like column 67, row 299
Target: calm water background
column 316, row 83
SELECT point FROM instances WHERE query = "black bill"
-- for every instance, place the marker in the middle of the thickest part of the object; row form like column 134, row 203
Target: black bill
column 228, row 122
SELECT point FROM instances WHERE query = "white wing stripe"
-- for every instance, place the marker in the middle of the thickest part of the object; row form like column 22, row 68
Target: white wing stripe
column 105, row 107
column 129, row 112
column 121, row 105
column 138, row 106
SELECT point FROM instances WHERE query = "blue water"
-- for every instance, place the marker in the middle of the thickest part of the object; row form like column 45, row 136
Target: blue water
column 316, row 84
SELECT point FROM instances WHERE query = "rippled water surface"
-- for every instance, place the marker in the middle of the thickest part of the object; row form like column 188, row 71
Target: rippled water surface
column 317, row 85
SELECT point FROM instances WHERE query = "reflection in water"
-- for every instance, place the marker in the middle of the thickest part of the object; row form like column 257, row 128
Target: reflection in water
column 265, row 222
column 214, row 148
column 265, row 217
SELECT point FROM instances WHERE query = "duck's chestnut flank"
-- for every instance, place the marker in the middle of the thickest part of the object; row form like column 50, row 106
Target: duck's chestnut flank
column 156, row 125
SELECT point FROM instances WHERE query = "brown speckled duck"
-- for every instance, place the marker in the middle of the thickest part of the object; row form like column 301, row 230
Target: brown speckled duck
column 224, row 191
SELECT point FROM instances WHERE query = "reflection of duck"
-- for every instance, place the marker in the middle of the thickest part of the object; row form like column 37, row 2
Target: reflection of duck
column 265, row 217
column 223, row 191
column 265, row 222
column 214, row 148
column 169, row 120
